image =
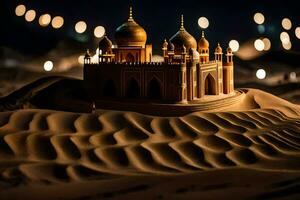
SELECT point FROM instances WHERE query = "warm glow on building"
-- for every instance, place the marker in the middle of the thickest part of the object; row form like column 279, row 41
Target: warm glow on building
column 45, row 20
column 99, row 31
column 259, row 18
column 287, row 46
column 267, row 44
column 297, row 32
column 286, row 23
column 261, row 74
column 30, row 15
column 48, row 66
column 259, row 45
column 20, row 10
column 234, row 45
column 284, row 37
column 80, row 27
column 57, row 22
column 203, row 22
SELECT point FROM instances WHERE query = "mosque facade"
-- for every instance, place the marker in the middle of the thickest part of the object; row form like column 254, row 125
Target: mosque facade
column 124, row 70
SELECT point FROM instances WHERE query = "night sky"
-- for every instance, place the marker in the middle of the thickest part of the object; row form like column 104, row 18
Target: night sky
column 228, row 20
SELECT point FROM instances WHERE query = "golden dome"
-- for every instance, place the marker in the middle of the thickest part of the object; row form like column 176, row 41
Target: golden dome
column 218, row 49
column 203, row 43
column 130, row 33
column 105, row 45
column 182, row 37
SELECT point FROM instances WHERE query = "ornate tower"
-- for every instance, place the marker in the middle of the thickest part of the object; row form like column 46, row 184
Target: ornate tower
column 203, row 49
column 165, row 50
column 87, row 57
column 228, row 83
column 218, row 53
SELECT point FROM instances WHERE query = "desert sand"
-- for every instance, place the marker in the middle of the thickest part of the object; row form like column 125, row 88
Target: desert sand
column 249, row 150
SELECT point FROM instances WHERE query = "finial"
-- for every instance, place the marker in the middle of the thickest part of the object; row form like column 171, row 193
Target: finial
column 130, row 14
column 182, row 23
column 87, row 52
column 165, row 40
column 203, row 34
column 218, row 44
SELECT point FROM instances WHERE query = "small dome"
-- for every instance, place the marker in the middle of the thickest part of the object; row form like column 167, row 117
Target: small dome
column 194, row 54
column 87, row 54
column 105, row 45
column 203, row 43
column 182, row 37
column 218, row 49
column 171, row 46
column 130, row 33
column 229, row 50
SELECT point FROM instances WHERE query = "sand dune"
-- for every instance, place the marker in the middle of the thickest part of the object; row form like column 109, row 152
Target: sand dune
column 44, row 146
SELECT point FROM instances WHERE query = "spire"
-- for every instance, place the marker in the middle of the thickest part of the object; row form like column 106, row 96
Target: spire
column 182, row 23
column 87, row 54
column 203, row 34
column 130, row 14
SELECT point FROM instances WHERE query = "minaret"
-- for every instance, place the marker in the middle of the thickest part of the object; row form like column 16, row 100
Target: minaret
column 228, row 81
column 203, row 49
column 87, row 57
column 218, row 53
column 165, row 50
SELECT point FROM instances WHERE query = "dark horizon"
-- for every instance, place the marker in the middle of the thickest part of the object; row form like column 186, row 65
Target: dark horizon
column 228, row 20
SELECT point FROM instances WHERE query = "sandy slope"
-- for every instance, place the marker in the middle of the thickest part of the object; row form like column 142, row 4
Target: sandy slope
column 199, row 155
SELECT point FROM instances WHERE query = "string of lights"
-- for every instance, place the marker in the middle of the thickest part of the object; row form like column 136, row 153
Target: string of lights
column 56, row 22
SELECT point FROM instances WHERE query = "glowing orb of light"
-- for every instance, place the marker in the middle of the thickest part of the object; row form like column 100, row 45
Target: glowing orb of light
column 259, row 45
column 297, row 32
column 30, row 15
column 99, row 31
column 20, row 10
column 234, row 45
column 293, row 76
column 267, row 44
column 48, row 66
column 80, row 27
column 287, row 46
column 45, row 20
column 261, row 28
column 57, row 22
column 286, row 23
column 261, row 74
column 259, row 18
column 203, row 22
column 81, row 59
column 284, row 37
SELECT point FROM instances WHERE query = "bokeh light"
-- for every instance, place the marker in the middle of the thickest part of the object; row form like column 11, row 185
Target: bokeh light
column 259, row 18
column 80, row 27
column 284, row 37
column 259, row 45
column 81, row 59
column 261, row 74
column 267, row 44
column 297, row 32
column 286, row 23
column 293, row 76
column 45, row 20
column 99, row 31
column 203, row 22
column 287, row 46
column 57, row 22
column 261, row 28
column 234, row 45
column 30, row 15
column 48, row 66
column 20, row 10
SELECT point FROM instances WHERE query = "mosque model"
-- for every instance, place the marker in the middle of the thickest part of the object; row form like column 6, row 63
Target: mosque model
column 125, row 70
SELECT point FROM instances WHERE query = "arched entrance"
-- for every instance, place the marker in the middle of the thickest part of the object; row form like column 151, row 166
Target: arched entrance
column 129, row 58
column 133, row 89
column 109, row 89
column 154, row 89
column 210, row 85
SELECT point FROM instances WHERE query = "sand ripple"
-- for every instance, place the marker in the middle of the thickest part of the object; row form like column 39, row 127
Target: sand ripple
column 56, row 146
